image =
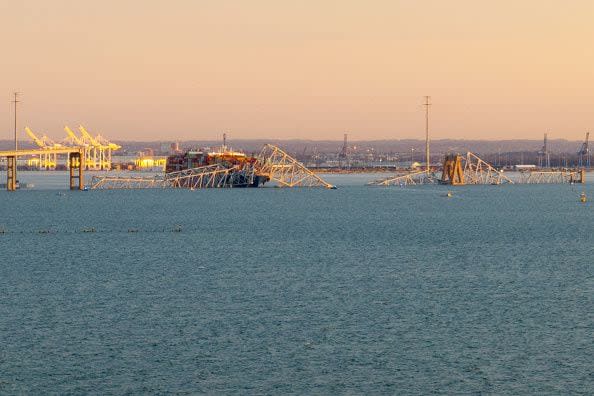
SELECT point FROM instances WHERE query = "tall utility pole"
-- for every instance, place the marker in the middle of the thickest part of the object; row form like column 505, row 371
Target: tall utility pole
column 427, row 156
column 584, row 153
column 15, row 101
column 343, row 156
column 546, row 152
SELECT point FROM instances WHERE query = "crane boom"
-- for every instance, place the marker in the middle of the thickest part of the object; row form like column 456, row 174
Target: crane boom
column 35, row 139
column 86, row 135
column 106, row 143
column 73, row 136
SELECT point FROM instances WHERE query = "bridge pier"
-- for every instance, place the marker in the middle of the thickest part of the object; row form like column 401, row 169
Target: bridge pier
column 11, row 177
column 579, row 177
column 75, row 164
column 453, row 172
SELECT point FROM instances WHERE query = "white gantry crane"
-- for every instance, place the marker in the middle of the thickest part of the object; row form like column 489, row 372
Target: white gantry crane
column 95, row 150
column 75, row 141
column 47, row 160
column 101, row 149
column 98, row 150
column 108, row 148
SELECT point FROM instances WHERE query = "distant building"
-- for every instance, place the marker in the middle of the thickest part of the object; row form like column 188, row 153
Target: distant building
column 164, row 148
column 524, row 167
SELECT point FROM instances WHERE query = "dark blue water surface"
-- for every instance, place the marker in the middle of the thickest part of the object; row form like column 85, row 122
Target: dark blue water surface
column 358, row 290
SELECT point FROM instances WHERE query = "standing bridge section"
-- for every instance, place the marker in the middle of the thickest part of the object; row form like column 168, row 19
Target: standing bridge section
column 76, row 157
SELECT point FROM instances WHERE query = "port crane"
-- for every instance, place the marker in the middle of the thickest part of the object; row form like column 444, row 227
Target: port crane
column 544, row 156
column 109, row 147
column 75, row 141
column 100, row 150
column 47, row 158
column 72, row 139
column 584, row 153
column 96, row 150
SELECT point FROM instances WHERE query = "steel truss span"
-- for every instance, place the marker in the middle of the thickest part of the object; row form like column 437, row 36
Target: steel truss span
column 552, row 177
column 414, row 178
column 477, row 171
column 124, row 182
column 278, row 166
column 211, row 176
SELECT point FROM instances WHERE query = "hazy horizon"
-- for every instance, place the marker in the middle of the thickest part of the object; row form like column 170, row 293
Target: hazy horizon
column 299, row 70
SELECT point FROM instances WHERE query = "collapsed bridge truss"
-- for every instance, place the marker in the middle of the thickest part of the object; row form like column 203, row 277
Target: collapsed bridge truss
column 273, row 164
column 477, row 171
column 211, row 176
column 550, row 177
column 278, row 166
column 405, row 179
column 457, row 170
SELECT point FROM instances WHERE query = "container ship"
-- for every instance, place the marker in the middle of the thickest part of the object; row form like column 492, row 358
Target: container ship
column 242, row 168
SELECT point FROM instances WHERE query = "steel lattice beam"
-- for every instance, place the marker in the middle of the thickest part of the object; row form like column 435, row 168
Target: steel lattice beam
column 278, row 166
column 211, row 176
column 414, row 178
column 552, row 177
column 477, row 171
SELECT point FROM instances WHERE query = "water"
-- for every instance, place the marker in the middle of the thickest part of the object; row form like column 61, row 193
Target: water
column 358, row 290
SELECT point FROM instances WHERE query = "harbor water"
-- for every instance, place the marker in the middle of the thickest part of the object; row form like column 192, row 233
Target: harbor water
column 362, row 290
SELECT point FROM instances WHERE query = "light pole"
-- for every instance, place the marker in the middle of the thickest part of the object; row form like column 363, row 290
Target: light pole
column 15, row 101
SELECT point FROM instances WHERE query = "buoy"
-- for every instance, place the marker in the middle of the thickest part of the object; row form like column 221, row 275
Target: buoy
column 583, row 197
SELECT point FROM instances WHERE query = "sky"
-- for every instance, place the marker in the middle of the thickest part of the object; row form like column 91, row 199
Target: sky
column 307, row 69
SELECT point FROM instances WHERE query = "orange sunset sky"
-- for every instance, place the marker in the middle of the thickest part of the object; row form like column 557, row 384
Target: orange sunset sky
column 182, row 69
